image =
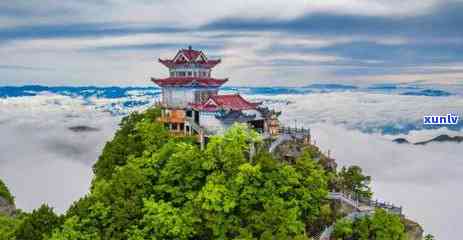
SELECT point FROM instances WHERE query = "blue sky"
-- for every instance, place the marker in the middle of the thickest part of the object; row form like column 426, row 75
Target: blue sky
column 261, row 43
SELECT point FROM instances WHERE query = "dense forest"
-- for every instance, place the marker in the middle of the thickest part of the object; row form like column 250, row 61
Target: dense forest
column 149, row 184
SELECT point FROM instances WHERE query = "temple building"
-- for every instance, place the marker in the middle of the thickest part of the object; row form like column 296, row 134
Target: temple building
column 191, row 103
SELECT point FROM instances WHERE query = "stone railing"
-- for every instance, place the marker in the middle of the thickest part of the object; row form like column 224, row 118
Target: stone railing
column 364, row 204
column 294, row 130
column 384, row 205
column 344, row 198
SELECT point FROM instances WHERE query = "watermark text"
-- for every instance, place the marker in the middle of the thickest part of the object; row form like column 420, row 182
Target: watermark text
column 449, row 119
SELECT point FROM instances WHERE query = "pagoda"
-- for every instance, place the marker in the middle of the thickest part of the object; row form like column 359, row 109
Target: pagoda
column 191, row 103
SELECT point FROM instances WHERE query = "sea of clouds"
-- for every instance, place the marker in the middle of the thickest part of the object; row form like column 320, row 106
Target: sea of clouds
column 43, row 160
column 352, row 126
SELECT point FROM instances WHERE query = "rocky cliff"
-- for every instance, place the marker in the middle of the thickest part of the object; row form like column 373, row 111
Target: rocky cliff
column 6, row 200
column 6, row 207
column 413, row 229
column 291, row 148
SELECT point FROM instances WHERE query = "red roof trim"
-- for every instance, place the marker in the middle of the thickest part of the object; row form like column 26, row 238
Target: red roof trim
column 190, row 53
column 203, row 107
column 208, row 64
column 190, row 56
column 189, row 81
column 234, row 102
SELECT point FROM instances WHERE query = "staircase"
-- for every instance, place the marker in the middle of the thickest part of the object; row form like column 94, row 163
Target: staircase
column 344, row 198
column 282, row 138
column 289, row 133
column 363, row 208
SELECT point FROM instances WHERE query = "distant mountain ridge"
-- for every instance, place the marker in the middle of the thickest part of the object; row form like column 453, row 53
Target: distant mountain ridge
column 119, row 91
column 441, row 138
column 429, row 93
column 83, row 128
column 119, row 100
column 84, row 91
column 332, row 86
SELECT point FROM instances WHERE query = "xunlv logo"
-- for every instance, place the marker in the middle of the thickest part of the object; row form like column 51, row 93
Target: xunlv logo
column 450, row 119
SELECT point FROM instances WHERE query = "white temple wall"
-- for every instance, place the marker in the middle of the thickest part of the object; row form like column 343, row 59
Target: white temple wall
column 190, row 72
column 178, row 97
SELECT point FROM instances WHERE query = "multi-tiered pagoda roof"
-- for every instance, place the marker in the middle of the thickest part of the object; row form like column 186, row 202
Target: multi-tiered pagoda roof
column 189, row 56
column 193, row 60
column 191, row 102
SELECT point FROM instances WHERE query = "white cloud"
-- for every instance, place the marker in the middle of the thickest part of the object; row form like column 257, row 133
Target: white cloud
column 422, row 179
column 72, row 62
column 365, row 111
column 399, row 77
column 194, row 13
column 42, row 161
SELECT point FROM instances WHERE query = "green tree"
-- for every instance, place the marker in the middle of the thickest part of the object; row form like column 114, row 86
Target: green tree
column 259, row 199
column 429, row 237
column 343, row 229
column 130, row 140
column 227, row 152
column 380, row 226
column 150, row 184
column 362, row 229
column 8, row 226
column 72, row 229
column 38, row 225
column 387, row 226
column 354, row 181
column 167, row 188
column 162, row 220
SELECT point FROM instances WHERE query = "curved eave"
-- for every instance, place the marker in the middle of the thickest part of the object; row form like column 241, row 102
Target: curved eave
column 167, row 63
column 189, row 82
column 208, row 64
